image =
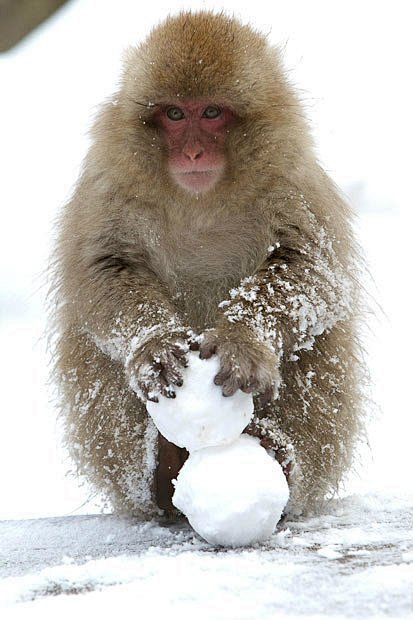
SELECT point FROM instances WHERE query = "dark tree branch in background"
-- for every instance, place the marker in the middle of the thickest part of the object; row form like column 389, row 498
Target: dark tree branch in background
column 19, row 17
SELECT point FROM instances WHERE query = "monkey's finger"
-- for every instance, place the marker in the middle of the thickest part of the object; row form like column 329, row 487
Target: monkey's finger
column 167, row 390
column 229, row 390
column 160, row 386
column 193, row 340
column 153, row 399
column 174, row 363
column 172, row 375
column 172, row 378
column 231, row 386
column 180, row 350
column 148, row 392
column 250, row 386
column 207, row 350
column 180, row 355
column 166, row 380
column 221, row 377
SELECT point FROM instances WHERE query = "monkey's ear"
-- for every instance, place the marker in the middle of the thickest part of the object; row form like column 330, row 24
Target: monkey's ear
column 129, row 55
column 130, row 65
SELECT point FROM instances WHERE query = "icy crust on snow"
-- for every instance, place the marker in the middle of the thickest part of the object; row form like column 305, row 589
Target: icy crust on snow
column 200, row 416
column 232, row 495
column 356, row 563
column 306, row 302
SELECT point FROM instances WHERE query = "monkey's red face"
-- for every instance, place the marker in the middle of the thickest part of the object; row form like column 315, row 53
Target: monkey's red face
column 195, row 134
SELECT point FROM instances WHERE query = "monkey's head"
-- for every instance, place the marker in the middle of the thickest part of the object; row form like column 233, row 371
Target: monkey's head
column 205, row 105
column 195, row 133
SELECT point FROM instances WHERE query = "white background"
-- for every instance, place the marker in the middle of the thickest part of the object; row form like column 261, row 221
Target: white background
column 352, row 64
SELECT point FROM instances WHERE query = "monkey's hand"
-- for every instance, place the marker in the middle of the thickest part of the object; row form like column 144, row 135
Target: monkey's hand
column 245, row 363
column 156, row 367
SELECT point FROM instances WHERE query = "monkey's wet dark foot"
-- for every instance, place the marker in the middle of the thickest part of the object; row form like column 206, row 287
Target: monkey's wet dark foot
column 170, row 460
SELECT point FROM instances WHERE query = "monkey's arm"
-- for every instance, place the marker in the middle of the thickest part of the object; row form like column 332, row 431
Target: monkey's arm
column 125, row 309
column 300, row 292
column 296, row 297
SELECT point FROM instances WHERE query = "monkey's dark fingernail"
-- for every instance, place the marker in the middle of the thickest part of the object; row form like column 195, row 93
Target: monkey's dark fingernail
column 153, row 399
column 229, row 392
column 218, row 380
column 179, row 383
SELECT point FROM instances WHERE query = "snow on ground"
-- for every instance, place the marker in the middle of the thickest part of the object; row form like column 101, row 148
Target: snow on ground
column 354, row 562
column 352, row 63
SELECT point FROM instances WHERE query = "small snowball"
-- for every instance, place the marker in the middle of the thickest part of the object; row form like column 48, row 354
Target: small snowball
column 200, row 416
column 233, row 495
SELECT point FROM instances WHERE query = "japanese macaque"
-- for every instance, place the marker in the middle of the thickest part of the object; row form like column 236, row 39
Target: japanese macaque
column 202, row 220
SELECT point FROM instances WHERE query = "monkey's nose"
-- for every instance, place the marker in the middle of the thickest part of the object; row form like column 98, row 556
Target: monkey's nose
column 193, row 151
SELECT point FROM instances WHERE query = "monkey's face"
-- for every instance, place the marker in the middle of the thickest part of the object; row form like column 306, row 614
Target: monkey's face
column 195, row 133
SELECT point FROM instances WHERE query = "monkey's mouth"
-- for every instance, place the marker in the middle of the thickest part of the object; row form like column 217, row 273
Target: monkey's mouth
column 197, row 181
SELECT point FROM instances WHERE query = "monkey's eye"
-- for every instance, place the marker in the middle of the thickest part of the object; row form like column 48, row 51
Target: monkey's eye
column 175, row 114
column 212, row 111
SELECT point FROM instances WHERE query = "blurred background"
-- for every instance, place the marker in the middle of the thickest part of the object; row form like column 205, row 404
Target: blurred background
column 58, row 60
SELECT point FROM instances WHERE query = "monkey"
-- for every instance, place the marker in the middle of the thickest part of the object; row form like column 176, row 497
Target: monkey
column 202, row 220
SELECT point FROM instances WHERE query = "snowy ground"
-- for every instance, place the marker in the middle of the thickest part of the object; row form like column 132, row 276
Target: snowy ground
column 355, row 562
column 352, row 62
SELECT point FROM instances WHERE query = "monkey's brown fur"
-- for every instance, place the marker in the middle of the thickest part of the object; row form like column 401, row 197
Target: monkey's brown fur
column 139, row 261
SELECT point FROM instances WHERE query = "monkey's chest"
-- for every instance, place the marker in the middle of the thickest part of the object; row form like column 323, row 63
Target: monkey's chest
column 201, row 266
column 209, row 255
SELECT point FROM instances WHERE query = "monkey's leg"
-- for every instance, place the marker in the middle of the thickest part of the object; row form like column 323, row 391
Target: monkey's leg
column 318, row 412
column 170, row 460
column 274, row 441
column 108, row 431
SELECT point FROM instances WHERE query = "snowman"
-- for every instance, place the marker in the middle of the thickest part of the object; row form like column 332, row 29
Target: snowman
column 230, row 488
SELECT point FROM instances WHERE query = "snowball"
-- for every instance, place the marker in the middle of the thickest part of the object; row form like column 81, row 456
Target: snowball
column 232, row 495
column 200, row 416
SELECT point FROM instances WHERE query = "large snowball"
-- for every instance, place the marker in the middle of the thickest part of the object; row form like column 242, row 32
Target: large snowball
column 200, row 416
column 232, row 495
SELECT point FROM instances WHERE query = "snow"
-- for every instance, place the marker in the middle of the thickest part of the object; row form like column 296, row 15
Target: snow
column 232, row 492
column 351, row 62
column 347, row 564
column 233, row 495
column 200, row 416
